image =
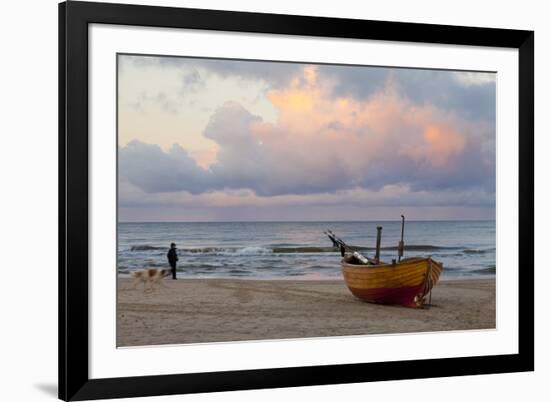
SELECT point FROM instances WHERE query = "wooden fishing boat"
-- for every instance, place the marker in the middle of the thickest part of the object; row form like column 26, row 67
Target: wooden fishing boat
column 406, row 283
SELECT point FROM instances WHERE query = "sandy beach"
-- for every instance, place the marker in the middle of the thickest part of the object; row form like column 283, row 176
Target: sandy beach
column 218, row 310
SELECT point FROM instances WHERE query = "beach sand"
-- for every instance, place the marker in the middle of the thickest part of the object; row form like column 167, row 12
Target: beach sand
column 219, row 310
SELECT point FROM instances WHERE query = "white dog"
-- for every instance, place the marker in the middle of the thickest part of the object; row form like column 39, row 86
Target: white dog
column 151, row 276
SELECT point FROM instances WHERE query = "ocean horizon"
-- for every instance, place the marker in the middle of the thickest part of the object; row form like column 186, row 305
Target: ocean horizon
column 316, row 221
column 300, row 249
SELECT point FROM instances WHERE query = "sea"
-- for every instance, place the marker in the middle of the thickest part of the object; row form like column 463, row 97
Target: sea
column 301, row 250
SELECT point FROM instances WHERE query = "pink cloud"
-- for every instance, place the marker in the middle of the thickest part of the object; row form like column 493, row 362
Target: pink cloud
column 323, row 144
column 315, row 130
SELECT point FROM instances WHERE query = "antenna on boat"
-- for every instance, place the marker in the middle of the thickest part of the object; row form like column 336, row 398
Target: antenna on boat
column 401, row 245
column 378, row 238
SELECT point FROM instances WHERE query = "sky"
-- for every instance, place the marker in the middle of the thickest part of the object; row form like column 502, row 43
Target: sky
column 234, row 140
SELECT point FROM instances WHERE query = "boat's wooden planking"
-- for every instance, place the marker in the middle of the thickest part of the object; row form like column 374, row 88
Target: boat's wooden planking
column 393, row 283
column 409, row 273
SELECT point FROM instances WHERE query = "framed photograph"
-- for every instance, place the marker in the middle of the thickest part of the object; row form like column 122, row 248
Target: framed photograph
column 258, row 201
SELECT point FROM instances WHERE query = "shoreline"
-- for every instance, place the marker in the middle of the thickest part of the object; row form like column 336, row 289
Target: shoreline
column 193, row 310
column 128, row 276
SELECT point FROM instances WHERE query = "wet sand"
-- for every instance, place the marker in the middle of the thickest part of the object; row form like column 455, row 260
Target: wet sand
column 220, row 310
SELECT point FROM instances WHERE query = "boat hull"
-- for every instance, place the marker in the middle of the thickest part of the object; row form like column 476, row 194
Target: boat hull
column 406, row 283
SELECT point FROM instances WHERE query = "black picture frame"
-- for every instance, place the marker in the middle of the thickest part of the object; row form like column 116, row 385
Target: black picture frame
column 74, row 18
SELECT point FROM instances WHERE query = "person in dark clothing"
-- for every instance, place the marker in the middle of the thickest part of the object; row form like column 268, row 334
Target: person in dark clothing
column 172, row 259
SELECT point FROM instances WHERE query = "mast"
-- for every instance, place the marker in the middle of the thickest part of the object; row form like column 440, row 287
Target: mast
column 378, row 239
column 401, row 246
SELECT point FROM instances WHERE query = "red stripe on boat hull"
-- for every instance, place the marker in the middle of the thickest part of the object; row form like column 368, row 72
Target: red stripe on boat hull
column 403, row 295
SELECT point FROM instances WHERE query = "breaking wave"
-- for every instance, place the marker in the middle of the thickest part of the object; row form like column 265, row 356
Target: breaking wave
column 474, row 251
column 254, row 250
column 146, row 247
column 488, row 270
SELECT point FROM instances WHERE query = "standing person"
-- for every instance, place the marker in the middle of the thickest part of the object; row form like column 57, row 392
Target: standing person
column 172, row 259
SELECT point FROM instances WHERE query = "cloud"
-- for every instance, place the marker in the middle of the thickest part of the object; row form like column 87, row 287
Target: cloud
column 231, row 205
column 322, row 143
column 471, row 95
column 275, row 73
column 149, row 168
column 390, row 195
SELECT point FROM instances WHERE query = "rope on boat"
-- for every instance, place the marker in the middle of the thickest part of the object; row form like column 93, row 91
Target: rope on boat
column 429, row 282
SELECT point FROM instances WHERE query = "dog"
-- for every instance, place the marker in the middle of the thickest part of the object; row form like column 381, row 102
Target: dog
column 151, row 276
